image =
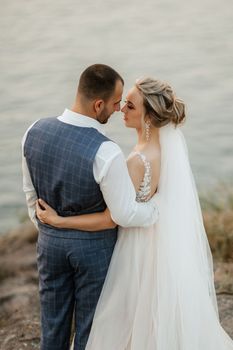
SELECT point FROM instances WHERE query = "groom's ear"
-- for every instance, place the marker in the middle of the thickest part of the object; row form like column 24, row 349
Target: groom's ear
column 98, row 106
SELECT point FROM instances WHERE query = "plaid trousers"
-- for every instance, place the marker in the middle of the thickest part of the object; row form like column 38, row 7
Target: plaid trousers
column 71, row 276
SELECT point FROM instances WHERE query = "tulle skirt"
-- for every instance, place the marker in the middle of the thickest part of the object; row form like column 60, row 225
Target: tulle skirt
column 132, row 315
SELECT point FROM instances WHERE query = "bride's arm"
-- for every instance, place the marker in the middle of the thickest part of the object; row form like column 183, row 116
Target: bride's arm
column 85, row 222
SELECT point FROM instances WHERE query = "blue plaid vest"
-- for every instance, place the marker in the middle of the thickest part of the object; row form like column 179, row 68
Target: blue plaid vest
column 60, row 160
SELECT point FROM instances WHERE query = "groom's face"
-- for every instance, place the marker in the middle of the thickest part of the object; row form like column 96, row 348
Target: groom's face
column 113, row 104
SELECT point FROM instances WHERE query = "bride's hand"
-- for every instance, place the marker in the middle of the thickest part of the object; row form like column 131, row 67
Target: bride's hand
column 47, row 215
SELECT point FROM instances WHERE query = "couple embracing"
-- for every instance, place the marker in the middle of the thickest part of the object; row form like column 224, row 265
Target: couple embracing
column 121, row 244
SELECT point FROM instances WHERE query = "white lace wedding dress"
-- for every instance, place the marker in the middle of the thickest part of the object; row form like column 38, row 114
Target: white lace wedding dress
column 159, row 291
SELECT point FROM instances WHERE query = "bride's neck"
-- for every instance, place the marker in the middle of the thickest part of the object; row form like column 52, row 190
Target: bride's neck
column 153, row 137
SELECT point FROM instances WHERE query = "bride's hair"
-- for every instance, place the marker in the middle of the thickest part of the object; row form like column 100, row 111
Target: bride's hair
column 160, row 102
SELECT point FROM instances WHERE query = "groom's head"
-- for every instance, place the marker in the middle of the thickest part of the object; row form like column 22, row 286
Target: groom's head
column 99, row 92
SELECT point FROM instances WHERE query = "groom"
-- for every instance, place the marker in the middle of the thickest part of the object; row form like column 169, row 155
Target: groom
column 72, row 165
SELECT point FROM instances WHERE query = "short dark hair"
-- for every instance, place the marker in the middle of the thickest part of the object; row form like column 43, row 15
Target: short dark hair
column 98, row 81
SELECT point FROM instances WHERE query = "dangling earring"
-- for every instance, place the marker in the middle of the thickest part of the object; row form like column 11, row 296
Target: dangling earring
column 147, row 128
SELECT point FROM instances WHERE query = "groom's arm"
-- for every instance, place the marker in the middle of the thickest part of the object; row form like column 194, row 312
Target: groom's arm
column 28, row 187
column 111, row 172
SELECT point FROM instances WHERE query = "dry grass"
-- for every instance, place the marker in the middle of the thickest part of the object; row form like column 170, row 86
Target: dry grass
column 217, row 209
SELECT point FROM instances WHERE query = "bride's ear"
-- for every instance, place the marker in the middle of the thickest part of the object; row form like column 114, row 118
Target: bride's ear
column 98, row 106
column 147, row 118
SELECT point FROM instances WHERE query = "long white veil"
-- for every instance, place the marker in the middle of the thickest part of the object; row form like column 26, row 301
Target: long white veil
column 185, row 312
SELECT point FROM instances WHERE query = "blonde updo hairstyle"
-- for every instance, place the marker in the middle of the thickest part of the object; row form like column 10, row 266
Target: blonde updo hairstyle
column 160, row 102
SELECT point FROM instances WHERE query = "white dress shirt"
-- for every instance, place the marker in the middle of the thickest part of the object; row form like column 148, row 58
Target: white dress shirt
column 110, row 172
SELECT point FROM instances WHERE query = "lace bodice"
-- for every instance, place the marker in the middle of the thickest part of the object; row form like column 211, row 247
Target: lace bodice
column 144, row 192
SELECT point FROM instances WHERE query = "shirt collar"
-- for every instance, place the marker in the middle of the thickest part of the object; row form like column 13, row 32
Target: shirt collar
column 81, row 120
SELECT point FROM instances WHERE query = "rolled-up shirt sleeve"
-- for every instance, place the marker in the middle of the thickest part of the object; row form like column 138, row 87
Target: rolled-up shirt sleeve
column 118, row 190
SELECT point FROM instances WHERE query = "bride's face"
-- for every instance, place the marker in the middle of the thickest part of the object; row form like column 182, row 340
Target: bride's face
column 133, row 109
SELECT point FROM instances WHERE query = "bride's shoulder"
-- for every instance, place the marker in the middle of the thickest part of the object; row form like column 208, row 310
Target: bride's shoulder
column 136, row 164
column 135, row 159
column 136, row 169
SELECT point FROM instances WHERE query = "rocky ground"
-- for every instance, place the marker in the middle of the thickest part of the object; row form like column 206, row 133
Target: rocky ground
column 19, row 306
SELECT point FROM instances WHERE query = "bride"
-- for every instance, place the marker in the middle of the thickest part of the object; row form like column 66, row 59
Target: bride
column 159, row 291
